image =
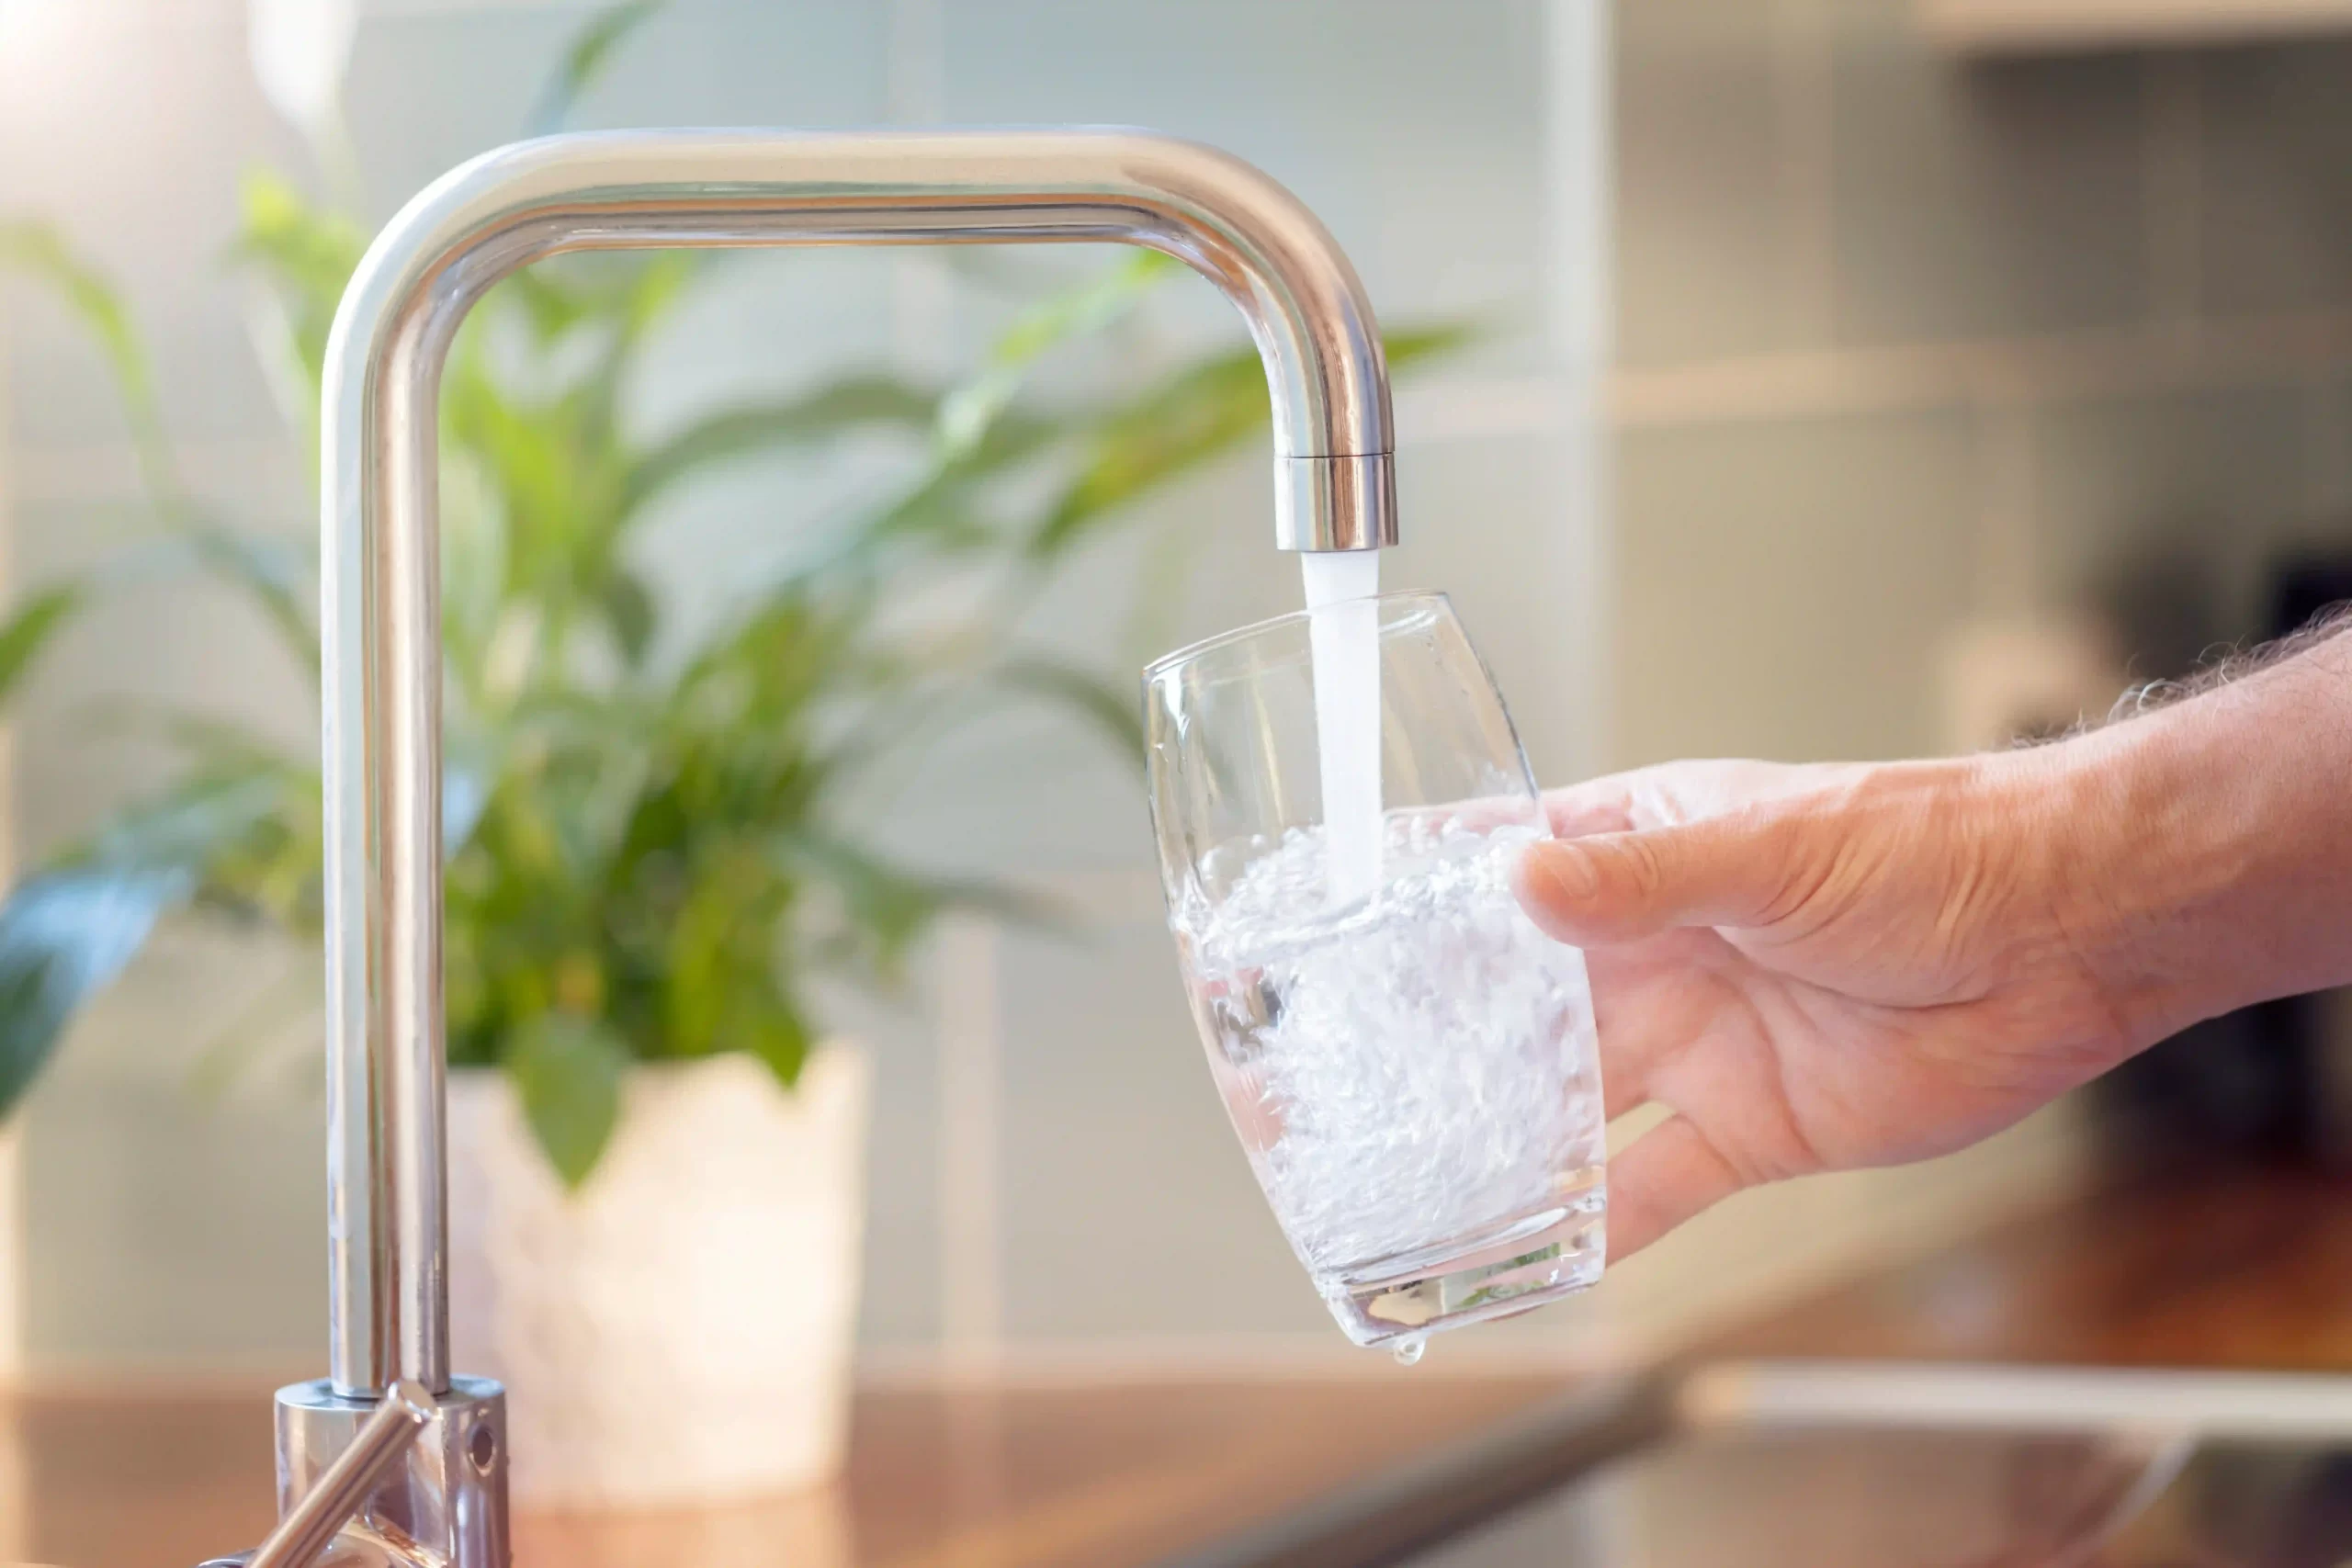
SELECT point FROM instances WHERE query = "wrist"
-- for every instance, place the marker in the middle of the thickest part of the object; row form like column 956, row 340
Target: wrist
column 2151, row 852
column 2206, row 849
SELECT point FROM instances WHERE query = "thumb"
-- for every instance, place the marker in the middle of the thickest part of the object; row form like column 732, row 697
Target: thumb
column 1608, row 887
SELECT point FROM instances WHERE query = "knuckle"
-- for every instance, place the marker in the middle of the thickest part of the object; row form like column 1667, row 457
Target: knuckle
column 1795, row 872
column 1641, row 867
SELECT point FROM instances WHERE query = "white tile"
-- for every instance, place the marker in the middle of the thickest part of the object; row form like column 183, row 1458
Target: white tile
column 1129, row 1208
column 1781, row 587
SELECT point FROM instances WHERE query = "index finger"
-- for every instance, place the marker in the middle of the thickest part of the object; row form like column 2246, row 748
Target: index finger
column 1669, row 794
column 1597, row 806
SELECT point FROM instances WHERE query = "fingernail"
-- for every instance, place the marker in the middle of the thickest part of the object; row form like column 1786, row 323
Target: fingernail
column 1569, row 870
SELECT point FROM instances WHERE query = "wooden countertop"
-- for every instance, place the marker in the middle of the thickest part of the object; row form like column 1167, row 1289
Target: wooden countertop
column 937, row 1478
column 2247, row 1269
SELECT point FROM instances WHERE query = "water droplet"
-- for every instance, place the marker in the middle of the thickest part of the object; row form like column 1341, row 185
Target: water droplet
column 1408, row 1352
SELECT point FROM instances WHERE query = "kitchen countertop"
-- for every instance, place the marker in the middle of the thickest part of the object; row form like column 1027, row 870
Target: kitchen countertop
column 2242, row 1270
column 1053, row 1477
column 2247, row 1269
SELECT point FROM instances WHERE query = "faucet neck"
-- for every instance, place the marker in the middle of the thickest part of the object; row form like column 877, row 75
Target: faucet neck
column 1335, row 489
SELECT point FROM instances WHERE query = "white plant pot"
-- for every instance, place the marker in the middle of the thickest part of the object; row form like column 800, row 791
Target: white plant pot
column 680, row 1330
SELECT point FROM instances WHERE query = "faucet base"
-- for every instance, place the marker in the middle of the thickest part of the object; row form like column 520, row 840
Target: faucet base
column 445, row 1506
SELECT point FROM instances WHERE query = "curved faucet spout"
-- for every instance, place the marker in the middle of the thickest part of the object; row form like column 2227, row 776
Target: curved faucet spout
column 1334, row 490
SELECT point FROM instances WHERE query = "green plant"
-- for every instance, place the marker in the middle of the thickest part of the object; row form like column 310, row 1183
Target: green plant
column 39, row 992
column 64, row 933
column 650, row 849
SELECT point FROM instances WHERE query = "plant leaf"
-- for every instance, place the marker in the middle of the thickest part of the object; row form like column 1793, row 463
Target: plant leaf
column 1113, row 709
column 245, row 829
column 1410, row 345
column 306, row 255
column 851, row 403
column 591, row 49
column 39, row 251
column 1193, row 417
column 548, row 300
column 567, row 1072
column 885, row 909
column 26, row 631
column 271, row 576
column 67, row 931
column 215, row 743
column 265, row 1021
column 776, row 1033
column 473, row 557
column 720, row 949
column 65, row 934
column 967, row 414
column 628, row 606
column 1200, row 413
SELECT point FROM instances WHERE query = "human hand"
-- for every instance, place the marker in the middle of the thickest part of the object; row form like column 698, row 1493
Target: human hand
column 1819, row 968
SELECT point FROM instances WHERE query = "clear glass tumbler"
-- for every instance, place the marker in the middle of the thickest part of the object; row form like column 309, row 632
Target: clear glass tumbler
column 1409, row 1063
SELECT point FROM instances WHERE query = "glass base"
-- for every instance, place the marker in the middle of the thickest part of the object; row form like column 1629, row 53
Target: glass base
column 1513, row 1267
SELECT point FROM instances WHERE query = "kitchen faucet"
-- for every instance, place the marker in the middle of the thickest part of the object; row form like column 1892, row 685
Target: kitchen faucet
column 391, row 1460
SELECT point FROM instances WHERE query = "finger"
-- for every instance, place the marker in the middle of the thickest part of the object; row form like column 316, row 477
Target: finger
column 1644, row 1005
column 1735, row 870
column 1663, row 793
column 1669, row 1174
column 1622, row 1089
column 1480, row 813
column 1597, row 806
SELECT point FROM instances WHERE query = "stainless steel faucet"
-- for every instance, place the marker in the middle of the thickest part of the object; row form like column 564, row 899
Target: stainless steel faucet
column 427, row 1487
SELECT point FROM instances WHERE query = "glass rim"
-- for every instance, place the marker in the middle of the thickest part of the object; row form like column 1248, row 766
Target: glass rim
column 1208, row 645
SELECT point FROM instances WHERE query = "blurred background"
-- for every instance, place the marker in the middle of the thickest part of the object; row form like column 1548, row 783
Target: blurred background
column 1844, row 379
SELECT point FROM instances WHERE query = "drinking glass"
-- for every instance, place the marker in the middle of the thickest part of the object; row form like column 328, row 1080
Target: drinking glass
column 1409, row 1063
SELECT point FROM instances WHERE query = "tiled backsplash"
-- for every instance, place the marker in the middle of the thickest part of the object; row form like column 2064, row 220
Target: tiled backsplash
column 1906, row 343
